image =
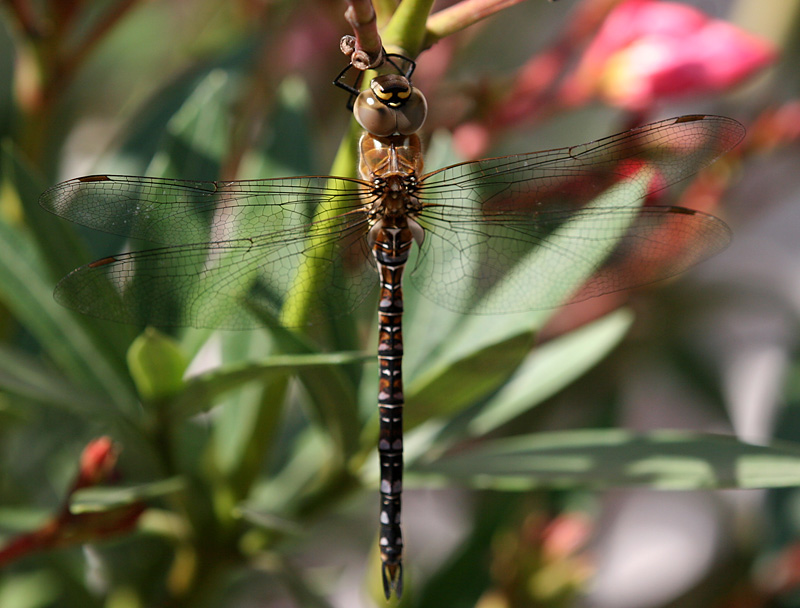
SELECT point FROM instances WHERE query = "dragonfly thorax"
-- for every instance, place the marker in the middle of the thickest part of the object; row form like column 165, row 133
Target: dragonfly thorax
column 391, row 106
column 394, row 196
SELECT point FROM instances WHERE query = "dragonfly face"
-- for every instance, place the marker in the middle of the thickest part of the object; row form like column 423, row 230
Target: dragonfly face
column 506, row 234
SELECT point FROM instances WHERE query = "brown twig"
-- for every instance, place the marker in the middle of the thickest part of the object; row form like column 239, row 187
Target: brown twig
column 71, row 62
column 56, row 62
column 365, row 49
column 27, row 18
column 67, row 529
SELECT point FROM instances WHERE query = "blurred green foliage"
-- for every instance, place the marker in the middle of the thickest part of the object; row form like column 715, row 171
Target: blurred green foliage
column 258, row 466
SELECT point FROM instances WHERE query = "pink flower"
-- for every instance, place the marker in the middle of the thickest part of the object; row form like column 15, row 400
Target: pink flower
column 648, row 50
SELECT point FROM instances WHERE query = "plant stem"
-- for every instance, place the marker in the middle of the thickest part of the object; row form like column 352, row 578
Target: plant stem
column 407, row 28
column 297, row 307
column 462, row 15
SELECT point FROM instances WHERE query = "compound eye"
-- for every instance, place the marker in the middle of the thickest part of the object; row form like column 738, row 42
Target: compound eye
column 374, row 116
column 391, row 106
column 411, row 115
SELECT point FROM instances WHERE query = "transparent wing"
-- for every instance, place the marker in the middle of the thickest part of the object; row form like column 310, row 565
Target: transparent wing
column 179, row 212
column 239, row 245
column 520, row 232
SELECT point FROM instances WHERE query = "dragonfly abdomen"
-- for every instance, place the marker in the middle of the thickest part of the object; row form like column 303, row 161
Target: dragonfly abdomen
column 391, row 250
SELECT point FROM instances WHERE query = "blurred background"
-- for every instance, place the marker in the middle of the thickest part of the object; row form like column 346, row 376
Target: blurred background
column 234, row 505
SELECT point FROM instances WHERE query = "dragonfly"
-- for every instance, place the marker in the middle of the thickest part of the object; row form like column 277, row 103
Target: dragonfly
column 228, row 248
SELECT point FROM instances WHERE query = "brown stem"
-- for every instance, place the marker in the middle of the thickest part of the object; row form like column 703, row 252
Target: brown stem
column 368, row 49
column 69, row 63
column 57, row 68
column 27, row 18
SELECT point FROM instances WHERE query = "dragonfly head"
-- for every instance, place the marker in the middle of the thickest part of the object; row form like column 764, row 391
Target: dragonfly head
column 390, row 106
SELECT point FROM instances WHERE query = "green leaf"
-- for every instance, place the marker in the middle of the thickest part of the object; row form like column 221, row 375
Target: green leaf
column 101, row 499
column 300, row 589
column 201, row 391
column 26, row 289
column 452, row 386
column 248, row 417
column 287, row 148
column 61, row 248
column 28, row 377
column 197, row 135
column 30, row 590
column 60, row 251
column 550, row 368
column 157, row 365
column 609, row 458
column 22, row 519
column 332, row 393
column 270, row 522
column 314, row 269
column 143, row 135
column 283, row 491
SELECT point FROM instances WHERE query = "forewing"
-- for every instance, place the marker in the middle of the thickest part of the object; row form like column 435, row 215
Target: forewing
column 232, row 246
column 522, row 232
column 179, row 212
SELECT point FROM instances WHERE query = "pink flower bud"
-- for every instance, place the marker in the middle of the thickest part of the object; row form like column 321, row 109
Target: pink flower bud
column 98, row 460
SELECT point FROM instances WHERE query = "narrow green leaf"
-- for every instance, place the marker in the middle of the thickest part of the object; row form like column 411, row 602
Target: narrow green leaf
column 28, row 377
column 61, row 248
column 479, row 355
column 201, row 391
column 452, row 387
column 475, row 333
column 282, row 492
column 566, row 277
column 270, row 522
column 22, row 519
column 60, row 251
column 197, row 135
column 550, row 368
column 316, row 268
column 143, row 136
column 100, row 499
column 610, row 458
column 332, row 392
column 288, row 146
column 300, row 589
column 26, row 289
column 248, row 418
